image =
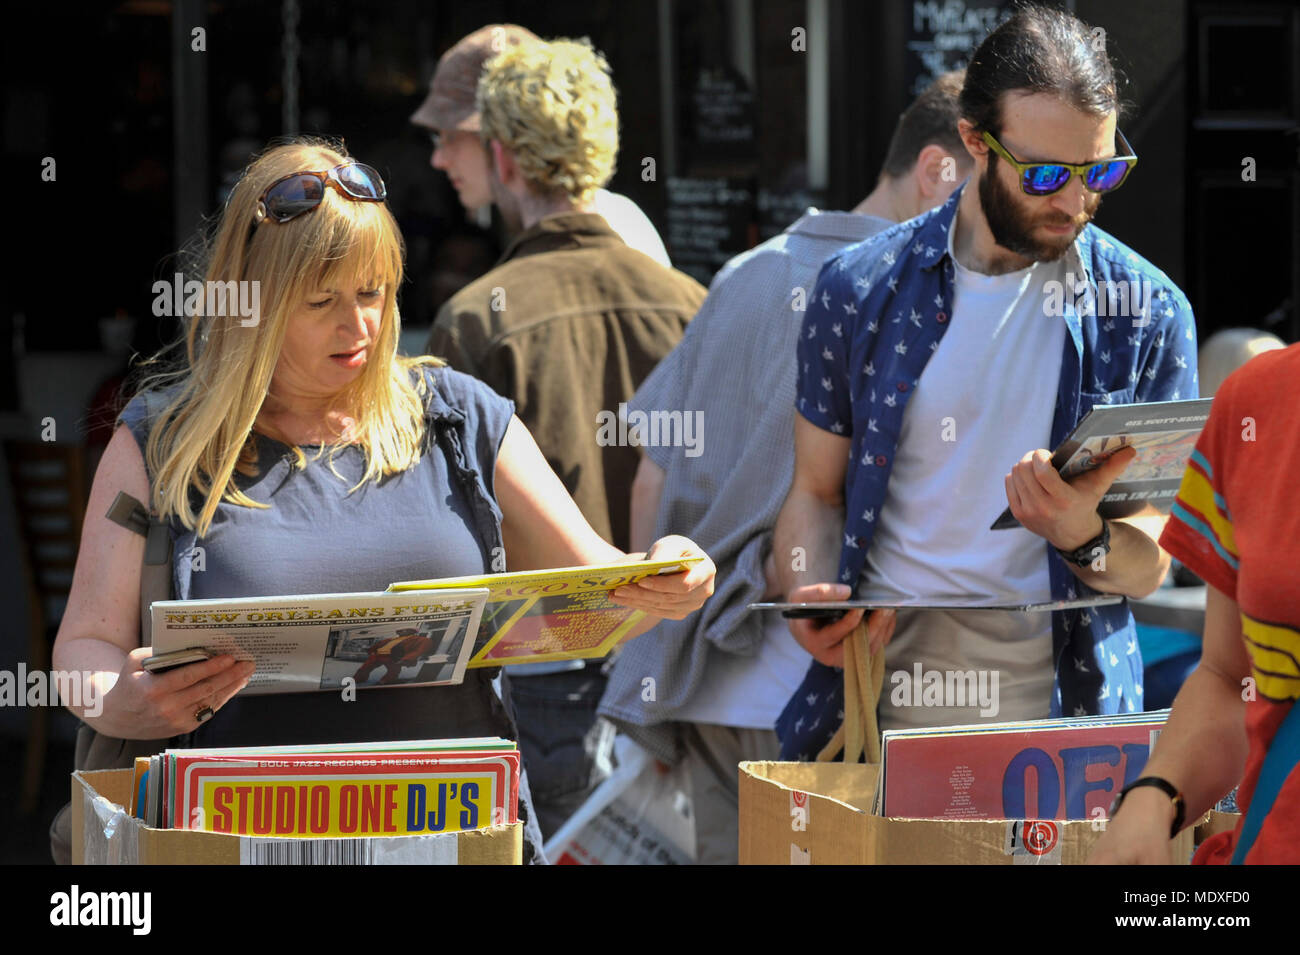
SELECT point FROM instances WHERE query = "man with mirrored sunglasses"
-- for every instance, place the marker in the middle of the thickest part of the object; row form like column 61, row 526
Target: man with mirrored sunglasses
column 938, row 362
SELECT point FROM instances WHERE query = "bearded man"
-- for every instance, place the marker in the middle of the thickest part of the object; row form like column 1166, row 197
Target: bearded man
column 936, row 367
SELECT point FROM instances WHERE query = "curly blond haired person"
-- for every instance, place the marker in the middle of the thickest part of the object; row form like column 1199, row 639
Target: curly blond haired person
column 450, row 113
column 552, row 107
column 567, row 325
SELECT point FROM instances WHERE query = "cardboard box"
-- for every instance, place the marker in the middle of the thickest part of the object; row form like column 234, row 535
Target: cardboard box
column 104, row 833
column 1215, row 822
column 820, row 814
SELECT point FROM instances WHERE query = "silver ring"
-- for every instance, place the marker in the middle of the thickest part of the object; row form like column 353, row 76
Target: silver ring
column 203, row 715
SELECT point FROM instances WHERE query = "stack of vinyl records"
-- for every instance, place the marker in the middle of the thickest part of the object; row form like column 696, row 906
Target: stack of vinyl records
column 401, row 788
column 1069, row 768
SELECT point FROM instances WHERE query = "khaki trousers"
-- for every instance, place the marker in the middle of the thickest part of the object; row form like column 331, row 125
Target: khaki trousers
column 712, row 755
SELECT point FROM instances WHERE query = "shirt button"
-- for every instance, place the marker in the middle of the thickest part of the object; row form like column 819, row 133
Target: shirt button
column 941, row 318
column 902, row 386
column 880, row 460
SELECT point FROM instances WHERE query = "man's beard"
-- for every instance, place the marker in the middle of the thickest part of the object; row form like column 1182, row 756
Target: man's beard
column 1013, row 226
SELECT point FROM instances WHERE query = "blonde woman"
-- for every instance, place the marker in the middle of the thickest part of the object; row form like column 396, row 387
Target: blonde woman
column 305, row 456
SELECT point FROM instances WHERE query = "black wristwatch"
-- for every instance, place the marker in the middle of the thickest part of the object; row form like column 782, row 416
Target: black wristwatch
column 1085, row 555
column 1166, row 787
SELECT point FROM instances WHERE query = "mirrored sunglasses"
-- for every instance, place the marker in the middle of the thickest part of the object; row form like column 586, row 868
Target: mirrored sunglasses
column 1045, row 178
column 300, row 192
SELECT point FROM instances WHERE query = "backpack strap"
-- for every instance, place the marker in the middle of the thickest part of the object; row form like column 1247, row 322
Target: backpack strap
column 156, row 570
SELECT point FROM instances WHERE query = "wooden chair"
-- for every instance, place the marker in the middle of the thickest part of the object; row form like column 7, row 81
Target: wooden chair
column 50, row 494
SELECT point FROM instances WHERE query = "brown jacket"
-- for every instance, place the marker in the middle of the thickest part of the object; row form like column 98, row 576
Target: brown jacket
column 567, row 325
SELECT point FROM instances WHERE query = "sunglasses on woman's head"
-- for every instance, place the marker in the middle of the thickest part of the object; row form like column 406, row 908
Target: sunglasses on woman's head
column 1045, row 178
column 292, row 195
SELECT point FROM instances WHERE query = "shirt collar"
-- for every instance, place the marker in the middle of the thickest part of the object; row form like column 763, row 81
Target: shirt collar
column 568, row 230
column 936, row 224
column 841, row 226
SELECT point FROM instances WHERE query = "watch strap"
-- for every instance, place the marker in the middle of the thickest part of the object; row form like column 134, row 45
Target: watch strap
column 1084, row 555
column 1166, row 787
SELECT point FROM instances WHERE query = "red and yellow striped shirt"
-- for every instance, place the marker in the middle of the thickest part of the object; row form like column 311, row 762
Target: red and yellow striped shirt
column 1235, row 525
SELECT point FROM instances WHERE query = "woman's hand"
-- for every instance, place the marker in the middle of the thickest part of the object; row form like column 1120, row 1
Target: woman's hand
column 144, row 705
column 673, row 596
column 543, row 528
column 99, row 635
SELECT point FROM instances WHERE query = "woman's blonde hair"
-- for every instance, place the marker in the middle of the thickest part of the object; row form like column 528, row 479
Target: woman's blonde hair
column 553, row 104
column 204, row 434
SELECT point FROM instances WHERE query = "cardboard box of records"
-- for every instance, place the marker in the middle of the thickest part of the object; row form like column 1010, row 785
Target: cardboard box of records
column 822, row 814
column 105, row 833
column 1027, row 792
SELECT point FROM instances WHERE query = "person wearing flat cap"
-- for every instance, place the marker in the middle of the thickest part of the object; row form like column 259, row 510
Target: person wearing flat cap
column 449, row 113
column 567, row 325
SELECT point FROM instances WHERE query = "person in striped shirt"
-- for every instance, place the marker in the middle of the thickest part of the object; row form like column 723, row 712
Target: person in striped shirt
column 1235, row 719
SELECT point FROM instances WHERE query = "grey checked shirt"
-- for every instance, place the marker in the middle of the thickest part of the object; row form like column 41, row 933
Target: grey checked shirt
column 736, row 368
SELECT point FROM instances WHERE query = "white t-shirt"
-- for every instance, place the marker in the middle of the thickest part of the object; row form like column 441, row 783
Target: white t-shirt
column 750, row 692
column 986, row 397
column 632, row 225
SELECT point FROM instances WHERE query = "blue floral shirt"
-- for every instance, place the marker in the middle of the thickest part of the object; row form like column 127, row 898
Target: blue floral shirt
column 878, row 312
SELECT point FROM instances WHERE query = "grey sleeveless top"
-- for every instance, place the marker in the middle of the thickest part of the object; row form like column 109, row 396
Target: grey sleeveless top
column 437, row 519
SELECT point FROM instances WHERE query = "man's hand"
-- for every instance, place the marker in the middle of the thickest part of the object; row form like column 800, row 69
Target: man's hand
column 1064, row 513
column 1138, row 834
column 825, row 641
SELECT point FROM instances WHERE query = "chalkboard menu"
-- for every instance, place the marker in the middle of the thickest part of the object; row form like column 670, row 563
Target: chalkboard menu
column 709, row 221
column 942, row 35
column 722, row 111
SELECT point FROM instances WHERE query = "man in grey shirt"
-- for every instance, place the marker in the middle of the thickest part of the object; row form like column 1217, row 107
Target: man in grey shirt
column 707, row 690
